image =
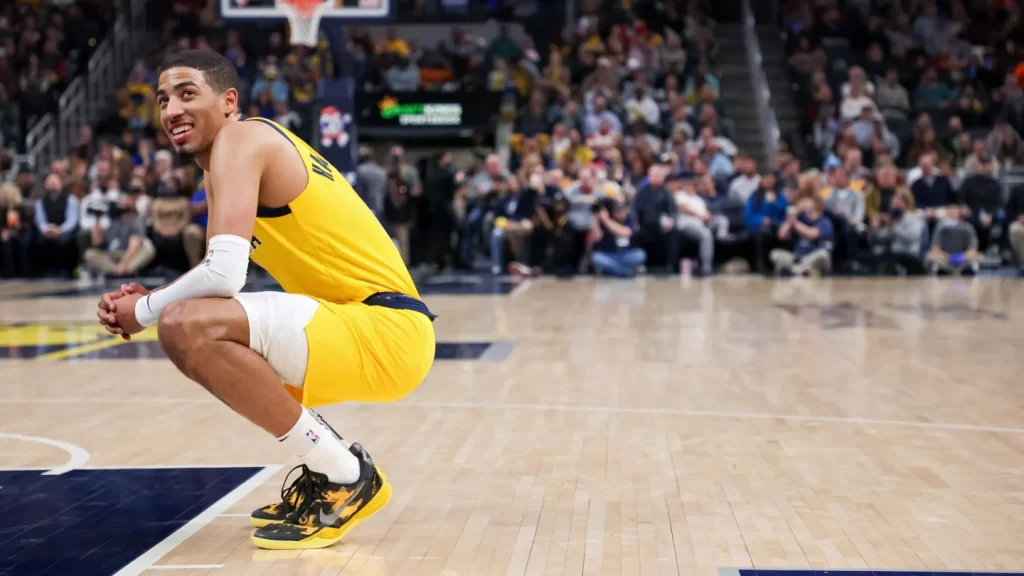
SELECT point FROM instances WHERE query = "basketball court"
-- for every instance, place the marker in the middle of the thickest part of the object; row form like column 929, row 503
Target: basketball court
column 656, row 426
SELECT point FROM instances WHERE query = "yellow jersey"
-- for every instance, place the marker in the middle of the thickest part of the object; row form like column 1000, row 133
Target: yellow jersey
column 326, row 243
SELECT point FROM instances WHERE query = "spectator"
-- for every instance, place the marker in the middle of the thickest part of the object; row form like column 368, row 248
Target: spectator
column 694, row 223
column 404, row 75
column 899, row 237
column 954, row 246
column 892, row 97
column 810, row 233
column 763, row 214
column 656, row 213
column 983, row 196
column 15, row 234
column 122, row 249
column 746, row 181
column 932, row 93
column 170, row 214
column 95, row 205
column 56, row 215
column 614, row 253
column 371, row 181
column 512, row 226
column 398, row 209
column 932, row 191
column 194, row 236
column 1015, row 215
column 847, row 209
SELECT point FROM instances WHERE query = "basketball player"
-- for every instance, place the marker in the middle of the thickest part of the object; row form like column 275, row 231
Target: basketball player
column 349, row 327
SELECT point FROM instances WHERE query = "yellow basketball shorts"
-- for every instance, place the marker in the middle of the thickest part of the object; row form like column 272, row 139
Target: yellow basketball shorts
column 352, row 352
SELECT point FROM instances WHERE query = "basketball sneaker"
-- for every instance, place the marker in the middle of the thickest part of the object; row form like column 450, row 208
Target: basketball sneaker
column 278, row 512
column 321, row 511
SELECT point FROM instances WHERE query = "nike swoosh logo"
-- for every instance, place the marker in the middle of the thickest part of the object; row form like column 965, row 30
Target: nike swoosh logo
column 330, row 519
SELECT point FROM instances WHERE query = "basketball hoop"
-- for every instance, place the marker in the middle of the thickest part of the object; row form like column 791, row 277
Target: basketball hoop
column 304, row 19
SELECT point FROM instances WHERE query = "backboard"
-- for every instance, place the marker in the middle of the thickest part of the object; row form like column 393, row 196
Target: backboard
column 348, row 9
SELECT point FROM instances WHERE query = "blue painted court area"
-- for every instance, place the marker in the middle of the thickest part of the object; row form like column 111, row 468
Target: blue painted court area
column 94, row 522
column 759, row 572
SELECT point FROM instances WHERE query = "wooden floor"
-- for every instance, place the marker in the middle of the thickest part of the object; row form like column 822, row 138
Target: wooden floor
column 637, row 427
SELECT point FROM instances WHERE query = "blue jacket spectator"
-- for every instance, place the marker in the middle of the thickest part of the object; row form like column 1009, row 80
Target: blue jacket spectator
column 762, row 204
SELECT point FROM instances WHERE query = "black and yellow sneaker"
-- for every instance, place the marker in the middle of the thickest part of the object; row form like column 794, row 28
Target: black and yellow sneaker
column 326, row 511
column 279, row 511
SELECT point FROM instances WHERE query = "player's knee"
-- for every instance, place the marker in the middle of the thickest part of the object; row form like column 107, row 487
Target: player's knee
column 177, row 328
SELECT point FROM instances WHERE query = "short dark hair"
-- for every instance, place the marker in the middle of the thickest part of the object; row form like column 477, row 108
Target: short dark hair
column 219, row 72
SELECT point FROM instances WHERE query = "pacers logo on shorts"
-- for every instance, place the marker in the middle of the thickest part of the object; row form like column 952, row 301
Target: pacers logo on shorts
column 313, row 436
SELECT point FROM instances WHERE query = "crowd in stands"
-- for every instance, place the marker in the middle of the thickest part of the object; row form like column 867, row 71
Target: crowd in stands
column 622, row 158
column 917, row 108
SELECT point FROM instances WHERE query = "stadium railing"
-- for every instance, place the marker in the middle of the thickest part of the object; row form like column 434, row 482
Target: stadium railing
column 92, row 95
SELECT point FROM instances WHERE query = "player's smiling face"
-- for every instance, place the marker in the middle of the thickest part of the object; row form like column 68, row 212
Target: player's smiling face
column 191, row 111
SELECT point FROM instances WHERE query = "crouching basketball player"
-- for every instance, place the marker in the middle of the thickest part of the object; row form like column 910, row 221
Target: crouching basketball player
column 350, row 325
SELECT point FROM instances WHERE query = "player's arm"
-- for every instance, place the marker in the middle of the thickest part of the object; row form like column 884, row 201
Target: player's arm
column 237, row 163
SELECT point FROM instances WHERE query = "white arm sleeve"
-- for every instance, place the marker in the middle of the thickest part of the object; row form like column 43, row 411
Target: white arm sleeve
column 222, row 274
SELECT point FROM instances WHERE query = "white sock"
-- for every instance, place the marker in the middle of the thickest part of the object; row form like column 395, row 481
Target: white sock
column 321, row 450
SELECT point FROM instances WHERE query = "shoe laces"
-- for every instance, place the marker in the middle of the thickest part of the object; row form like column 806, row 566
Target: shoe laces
column 306, row 489
column 309, row 487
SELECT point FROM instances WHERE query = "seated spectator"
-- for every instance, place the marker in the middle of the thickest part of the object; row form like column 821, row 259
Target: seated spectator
column 808, row 59
column 104, row 192
column 846, row 206
column 656, row 211
column 1015, row 215
column 954, row 246
column 925, row 143
column 763, row 213
column 856, row 100
column 898, row 234
column 809, row 231
column 878, row 200
column 719, row 165
column 56, row 215
column 694, row 222
column 932, row 93
column 15, row 233
column 983, row 195
column 404, row 75
column 170, row 214
column 980, row 155
column 512, row 226
column 194, row 236
column 613, row 251
column 933, row 191
column 122, row 249
column 746, row 180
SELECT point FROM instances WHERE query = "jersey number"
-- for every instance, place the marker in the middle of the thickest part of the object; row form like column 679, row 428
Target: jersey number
column 321, row 167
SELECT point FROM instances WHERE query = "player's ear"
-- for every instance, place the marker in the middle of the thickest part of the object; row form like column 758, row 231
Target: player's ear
column 229, row 101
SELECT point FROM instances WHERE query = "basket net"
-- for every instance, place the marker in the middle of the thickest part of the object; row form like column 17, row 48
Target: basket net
column 304, row 19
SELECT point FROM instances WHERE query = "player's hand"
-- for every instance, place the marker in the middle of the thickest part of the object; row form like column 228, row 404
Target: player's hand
column 107, row 307
column 124, row 315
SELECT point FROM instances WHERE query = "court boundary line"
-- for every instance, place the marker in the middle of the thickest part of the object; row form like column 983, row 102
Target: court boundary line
column 185, row 567
column 841, row 571
column 709, row 414
column 77, row 456
column 565, row 407
column 150, row 557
